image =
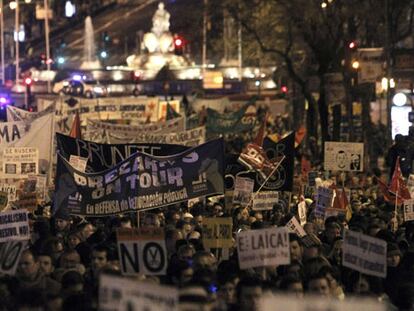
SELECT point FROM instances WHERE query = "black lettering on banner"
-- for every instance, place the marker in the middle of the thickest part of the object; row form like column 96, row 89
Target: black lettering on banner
column 132, row 259
column 154, row 257
column 9, row 253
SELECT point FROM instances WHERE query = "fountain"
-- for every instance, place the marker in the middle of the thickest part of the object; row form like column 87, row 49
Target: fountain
column 90, row 60
column 159, row 46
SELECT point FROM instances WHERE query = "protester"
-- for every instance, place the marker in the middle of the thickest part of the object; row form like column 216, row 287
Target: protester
column 68, row 253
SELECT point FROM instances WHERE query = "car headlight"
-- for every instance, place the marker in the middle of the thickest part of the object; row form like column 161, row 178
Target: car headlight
column 98, row 89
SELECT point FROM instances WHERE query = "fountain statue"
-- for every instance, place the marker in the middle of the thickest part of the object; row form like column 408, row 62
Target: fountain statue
column 159, row 46
column 90, row 61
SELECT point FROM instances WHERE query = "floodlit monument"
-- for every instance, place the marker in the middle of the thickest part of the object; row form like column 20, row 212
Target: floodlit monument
column 159, row 46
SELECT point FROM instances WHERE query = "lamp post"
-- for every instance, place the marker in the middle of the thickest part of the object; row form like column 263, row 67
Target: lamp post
column 2, row 41
column 16, row 41
column 46, row 5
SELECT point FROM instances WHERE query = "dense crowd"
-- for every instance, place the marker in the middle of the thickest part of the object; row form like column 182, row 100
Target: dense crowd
column 60, row 270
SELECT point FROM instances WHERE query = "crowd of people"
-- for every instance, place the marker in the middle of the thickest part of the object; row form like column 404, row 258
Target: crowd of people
column 60, row 269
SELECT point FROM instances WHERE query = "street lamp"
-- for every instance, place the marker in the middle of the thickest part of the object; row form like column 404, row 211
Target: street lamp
column 2, row 41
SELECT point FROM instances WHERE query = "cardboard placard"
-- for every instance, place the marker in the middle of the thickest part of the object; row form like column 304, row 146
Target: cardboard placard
column 114, row 291
column 243, row 189
column 318, row 303
column 342, row 156
column 302, row 211
column 324, row 199
column 14, row 226
column 19, row 162
column 10, row 253
column 294, row 227
column 142, row 251
column 364, row 253
column 265, row 247
column 79, row 163
column 217, row 232
column 264, row 200
column 409, row 210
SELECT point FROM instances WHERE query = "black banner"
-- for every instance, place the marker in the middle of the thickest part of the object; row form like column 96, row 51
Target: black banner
column 141, row 182
column 104, row 156
column 282, row 179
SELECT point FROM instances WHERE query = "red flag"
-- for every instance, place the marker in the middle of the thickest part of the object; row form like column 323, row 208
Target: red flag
column 398, row 186
column 75, row 131
column 299, row 135
column 384, row 189
column 344, row 199
column 261, row 133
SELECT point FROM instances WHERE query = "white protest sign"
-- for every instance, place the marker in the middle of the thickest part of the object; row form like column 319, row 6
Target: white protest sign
column 243, row 189
column 266, row 247
column 11, row 191
column 113, row 290
column 142, row 251
column 14, row 226
column 302, row 210
column 162, row 298
column 341, row 156
column 217, row 232
column 10, row 253
column 79, row 163
column 264, row 200
column 318, row 303
column 323, row 200
column 365, row 254
column 294, row 227
column 38, row 135
column 41, row 186
column 193, row 137
column 409, row 210
column 20, row 162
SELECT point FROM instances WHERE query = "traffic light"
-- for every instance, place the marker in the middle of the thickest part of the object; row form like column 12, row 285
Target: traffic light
column 178, row 45
column 28, row 98
column 352, row 45
column 104, row 54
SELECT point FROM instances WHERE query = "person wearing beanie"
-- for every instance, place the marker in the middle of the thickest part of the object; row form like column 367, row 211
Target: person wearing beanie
column 393, row 255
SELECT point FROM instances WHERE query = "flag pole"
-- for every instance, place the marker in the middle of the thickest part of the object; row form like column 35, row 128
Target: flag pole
column 265, row 181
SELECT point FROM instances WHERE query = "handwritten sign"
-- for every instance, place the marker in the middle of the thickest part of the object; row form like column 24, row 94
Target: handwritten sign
column 364, row 254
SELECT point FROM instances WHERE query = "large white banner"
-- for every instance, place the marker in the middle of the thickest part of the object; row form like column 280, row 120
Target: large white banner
column 11, row 132
column 340, row 156
column 364, row 253
column 192, row 138
column 170, row 126
column 112, row 108
column 115, row 291
column 265, row 247
column 97, row 131
column 17, row 114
